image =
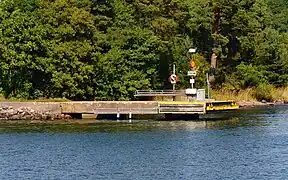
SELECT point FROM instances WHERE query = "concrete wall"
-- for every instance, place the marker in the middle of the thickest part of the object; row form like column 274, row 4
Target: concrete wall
column 90, row 107
column 81, row 107
column 51, row 107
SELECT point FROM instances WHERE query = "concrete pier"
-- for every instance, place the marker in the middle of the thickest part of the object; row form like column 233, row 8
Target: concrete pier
column 124, row 109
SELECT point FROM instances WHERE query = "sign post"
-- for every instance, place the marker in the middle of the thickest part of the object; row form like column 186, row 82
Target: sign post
column 192, row 73
column 174, row 72
column 173, row 79
column 192, row 92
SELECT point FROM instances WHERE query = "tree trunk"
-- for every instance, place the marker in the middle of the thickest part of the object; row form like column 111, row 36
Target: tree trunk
column 212, row 68
column 217, row 22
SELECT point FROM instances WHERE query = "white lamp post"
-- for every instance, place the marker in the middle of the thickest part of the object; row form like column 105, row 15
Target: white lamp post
column 191, row 92
column 192, row 81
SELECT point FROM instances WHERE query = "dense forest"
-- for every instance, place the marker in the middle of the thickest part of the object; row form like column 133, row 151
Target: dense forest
column 107, row 49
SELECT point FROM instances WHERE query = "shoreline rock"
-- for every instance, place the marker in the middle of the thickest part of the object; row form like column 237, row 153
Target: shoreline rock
column 27, row 113
column 253, row 104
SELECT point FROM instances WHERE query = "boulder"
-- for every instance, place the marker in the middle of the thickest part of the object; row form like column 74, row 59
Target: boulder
column 27, row 113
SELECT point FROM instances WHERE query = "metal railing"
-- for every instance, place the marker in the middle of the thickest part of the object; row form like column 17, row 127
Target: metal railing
column 153, row 93
column 126, row 111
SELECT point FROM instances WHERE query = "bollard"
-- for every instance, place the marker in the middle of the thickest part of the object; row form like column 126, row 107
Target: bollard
column 130, row 117
column 118, row 116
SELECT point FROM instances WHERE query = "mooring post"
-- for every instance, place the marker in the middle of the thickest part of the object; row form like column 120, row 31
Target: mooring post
column 118, row 115
column 130, row 116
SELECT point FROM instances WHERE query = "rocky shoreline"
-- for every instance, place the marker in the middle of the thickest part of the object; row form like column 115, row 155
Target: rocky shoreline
column 254, row 104
column 27, row 113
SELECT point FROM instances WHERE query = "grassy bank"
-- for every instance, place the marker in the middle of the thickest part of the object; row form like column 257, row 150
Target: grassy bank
column 2, row 98
column 270, row 94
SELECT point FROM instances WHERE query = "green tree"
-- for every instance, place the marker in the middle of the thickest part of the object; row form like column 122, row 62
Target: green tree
column 105, row 50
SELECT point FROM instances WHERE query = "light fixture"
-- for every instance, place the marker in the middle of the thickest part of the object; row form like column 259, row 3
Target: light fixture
column 192, row 50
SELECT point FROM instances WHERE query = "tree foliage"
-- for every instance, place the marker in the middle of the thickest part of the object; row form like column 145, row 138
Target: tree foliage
column 105, row 50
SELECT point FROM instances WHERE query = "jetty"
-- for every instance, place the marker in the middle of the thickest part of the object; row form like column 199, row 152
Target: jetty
column 130, row 108
column 110, row 109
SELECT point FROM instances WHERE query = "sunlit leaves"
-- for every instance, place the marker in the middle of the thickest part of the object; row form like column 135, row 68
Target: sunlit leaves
column 105, row 50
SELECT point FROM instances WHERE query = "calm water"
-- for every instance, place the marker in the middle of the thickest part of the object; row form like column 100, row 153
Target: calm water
column 251, row 144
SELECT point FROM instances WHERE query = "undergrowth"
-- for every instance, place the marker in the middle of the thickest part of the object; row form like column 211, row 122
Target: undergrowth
column 260, row 93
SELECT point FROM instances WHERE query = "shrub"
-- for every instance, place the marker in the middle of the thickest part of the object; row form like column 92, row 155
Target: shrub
column 264, row 92
column 250, row 76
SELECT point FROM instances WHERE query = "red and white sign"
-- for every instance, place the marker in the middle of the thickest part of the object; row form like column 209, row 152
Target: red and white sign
column 173, row 79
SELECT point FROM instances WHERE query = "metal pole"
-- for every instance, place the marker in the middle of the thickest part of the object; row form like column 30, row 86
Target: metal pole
column 174, row 72
column 174, row 69
column 174, row 85
column 192, row 84
column 208, row 85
